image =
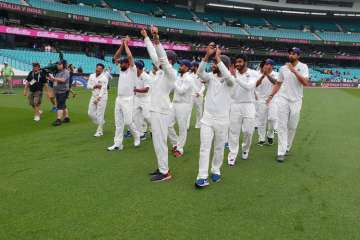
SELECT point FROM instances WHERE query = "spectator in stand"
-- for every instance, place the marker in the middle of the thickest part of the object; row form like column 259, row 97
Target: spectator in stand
column 7, row 73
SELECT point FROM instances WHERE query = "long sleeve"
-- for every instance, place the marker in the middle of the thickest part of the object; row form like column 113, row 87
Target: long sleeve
column 104, row 83
column 152, row 52
column 202, row 90
column 90, row 85
column 247, row 85
column 164, row 62
column 229, row 79
column 204, row 76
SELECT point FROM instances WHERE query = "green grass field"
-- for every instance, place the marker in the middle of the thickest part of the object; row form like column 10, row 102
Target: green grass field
column 60, row 183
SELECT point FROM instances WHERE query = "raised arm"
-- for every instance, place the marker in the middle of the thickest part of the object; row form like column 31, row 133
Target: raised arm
column 203, row 75
column 118, row 52
column 163, row 59
column 128, row 52
column 150, row 48
column 229, row 78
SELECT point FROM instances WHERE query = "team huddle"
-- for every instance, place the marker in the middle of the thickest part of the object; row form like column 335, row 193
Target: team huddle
column 238, row 100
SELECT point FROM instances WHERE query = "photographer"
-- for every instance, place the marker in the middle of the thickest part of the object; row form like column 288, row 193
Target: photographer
column 35, row 82
column 61, row 87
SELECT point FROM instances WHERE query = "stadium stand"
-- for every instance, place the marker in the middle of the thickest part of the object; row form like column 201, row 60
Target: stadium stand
column 222, row 16
column 176, row 12
column 281, row 33
column 167, row 22
column 227, row 29
column 128, row 5
column 79, row 10
column 295, row 23
column 90, row 2
column 13, row 1
column 339, row 37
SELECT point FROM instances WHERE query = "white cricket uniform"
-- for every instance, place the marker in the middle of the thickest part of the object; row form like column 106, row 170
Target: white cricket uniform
column 242, row 112
column 96, row 111
column 142, row 102
column 124, row 105
column 182, row 106
column 289, row 104
column 198, row 101
column 215, row 120
column 264, row 121
column 160, row 107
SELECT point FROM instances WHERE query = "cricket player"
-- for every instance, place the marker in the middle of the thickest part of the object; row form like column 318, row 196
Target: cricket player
column 97, row 83
column 198, row 94
column 161, row 108
column 142, row 98
column 242, row 110
column 263, row 91
column 124, row 105
column 215, row 120
column 182, row 106
column 293, row 76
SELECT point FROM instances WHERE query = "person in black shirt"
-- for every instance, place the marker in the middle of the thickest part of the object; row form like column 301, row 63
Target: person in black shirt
column 35, row 82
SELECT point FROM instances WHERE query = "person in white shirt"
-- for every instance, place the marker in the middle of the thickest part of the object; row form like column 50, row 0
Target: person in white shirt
column 263, row 91
column 215, row 120
column 160, row 108
column 293, row 76
column 182, row 106
column 242, row 110
column 124, row 105
column 142, row 98
column 198, row 94
column 98, row 83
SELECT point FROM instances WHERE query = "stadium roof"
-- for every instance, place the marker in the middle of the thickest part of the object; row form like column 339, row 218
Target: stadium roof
column 351, row 7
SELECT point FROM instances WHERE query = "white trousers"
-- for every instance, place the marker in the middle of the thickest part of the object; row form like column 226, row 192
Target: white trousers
column 198, row 103
column 96, row 112
column 181, row 113
column 264, row 122
column 160, row 126
column 242, row 119
column 124, row 107
column 141, row 114
column 289, row 116
column 212, row 131
column 273, row 114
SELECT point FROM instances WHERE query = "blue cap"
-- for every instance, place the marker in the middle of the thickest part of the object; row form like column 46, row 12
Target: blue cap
column 124, row 60
column 195, row 64
column 269, row 61
column 295, row 50
column 140, row 64
column 185, row 62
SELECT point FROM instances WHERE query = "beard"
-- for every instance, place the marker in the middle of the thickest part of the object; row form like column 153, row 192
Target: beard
column 123, row 69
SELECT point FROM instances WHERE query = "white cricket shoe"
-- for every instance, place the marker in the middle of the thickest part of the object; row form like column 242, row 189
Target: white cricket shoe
column 245, row 155
column 137, row 140
column 231, row 162
column 36, row 118
column 115, row 148
column 98, row 134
